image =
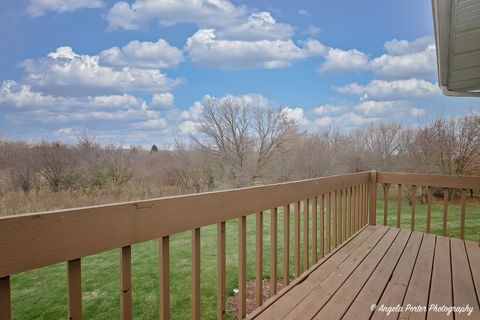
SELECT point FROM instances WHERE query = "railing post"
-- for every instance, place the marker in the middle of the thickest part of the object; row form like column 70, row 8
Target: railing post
column 5, row 301
column 373, row 198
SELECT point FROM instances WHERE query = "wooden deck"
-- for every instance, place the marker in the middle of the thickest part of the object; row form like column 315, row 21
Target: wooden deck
column 384, row 266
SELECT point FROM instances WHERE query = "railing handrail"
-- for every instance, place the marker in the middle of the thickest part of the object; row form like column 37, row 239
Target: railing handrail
column 35, row 240
column 430, row 180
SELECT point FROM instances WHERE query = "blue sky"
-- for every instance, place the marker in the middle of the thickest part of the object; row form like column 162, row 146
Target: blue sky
column 136, row 72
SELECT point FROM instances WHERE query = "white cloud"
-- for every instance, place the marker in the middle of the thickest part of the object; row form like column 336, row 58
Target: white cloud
column 68, row 72
column 228, row 37
column 66, row 131
column 324, row 121
column 327, row 109
column 252, row 100
column 390, row 90
column 259, row 26
column 152, row 124
column 149, row 55
column 338, row 61
column 20, row 96
column 194, row 112
column 417, row 112
column 40, row 7
column 163, row 99
column 389, row 109
column 312, row 30
column 377, row 108
column 187, row 127
column 303, row 12
column 353, row 119
column 204, row 13
column 349, row 119
column 403, row 60
column 417, row 64
column 205, row 49
column 402, row 47
column 297, row 115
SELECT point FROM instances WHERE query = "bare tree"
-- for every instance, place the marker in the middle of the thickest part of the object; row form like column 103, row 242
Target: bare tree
column 242, row 138
column 56, row 162
column 453, row 145
column 119, row 164
column 384, row 142
column 271, row 132
column 23, row 167
column 467, row 146
column 87, row 139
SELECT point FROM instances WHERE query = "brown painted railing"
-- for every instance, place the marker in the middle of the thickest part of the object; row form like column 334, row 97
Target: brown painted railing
column 411, row 183
column 330, row 209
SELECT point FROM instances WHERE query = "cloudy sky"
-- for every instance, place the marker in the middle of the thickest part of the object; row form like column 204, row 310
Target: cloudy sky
column 134, row 72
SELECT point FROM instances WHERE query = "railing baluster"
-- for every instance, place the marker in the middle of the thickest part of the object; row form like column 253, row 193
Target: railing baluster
column 414, row 202
column 429, row 207
column 341, row 221
column 365, row 204
column 296, row 235
column 196, row 274
column 359, row 208
column 322, row 226
column 362, row 208
column 164, row 277
column 344, row 214
column 286, row 245
column 334, row 227
column 353, row 201
column 314, row 230
column 445, row 211
column 259, row 259
column 364, row 211
column 351, row 215
column 399, row 205
column 306, row 228
column 126, row 283
column 339, row 217
column 273, row 251
column 5, row 300
column 221, row 271
column 75, row 289
column 329, row 221
column 350, row 211
column 242, row 267
column 462, row 216
column 328, row 224
column 385, row 203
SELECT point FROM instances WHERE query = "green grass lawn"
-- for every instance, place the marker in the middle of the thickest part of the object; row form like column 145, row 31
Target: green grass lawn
column 41, row 293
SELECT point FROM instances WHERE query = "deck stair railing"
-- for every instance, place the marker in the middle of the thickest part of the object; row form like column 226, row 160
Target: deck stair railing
column 325, row 213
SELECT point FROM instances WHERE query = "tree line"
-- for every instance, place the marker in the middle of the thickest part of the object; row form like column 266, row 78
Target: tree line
column 237, row 145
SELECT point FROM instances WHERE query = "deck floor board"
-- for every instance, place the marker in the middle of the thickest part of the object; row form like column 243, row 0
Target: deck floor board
column 441, row 290
column 463, row 284
column 384, row 267
column 345, row 296
column 373, row 289
column 322, row 292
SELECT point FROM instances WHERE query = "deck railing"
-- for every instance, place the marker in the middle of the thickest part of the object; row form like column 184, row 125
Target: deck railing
column 410, row 184
column 330, row 209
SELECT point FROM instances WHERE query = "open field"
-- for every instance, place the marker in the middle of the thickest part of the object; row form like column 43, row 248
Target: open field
column 41, row 293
